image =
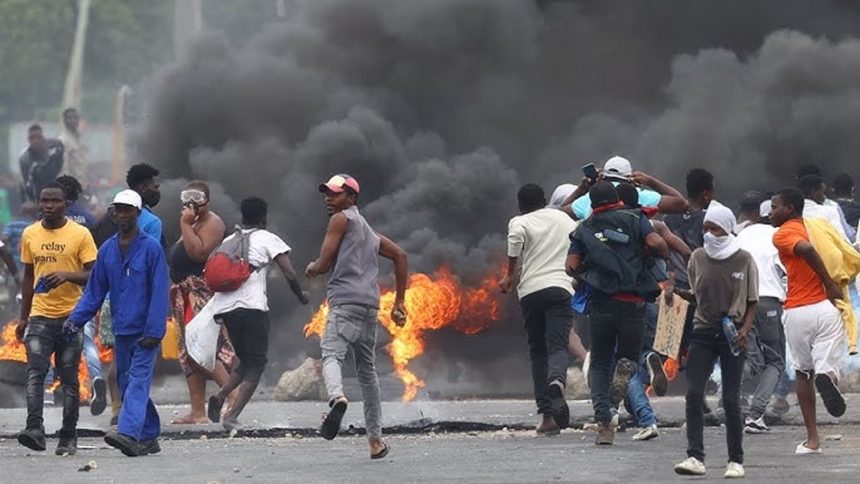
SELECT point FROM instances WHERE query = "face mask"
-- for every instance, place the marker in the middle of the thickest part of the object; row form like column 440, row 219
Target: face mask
column 719, row 246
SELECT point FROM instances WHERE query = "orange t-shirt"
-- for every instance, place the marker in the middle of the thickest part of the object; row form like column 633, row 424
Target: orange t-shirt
column 804, row 286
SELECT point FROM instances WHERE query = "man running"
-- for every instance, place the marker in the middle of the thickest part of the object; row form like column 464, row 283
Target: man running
column 131, row 265
column 245, row 311
column 609, row 251
column 350, row 250
column 540, row 237
column 813, row 326
column 57, row 254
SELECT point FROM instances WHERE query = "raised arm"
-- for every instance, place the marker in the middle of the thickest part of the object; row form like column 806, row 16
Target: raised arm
column 671, row 200
column 201, row 243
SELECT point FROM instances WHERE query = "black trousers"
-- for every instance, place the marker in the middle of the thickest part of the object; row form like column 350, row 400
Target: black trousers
column 249, row 333
column 617, row 331
column 706, row 345
column 548, row 318
column 44, row 338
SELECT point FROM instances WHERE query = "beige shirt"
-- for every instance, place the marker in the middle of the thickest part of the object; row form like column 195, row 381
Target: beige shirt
column 722, row 287
column 74, row 156
column 541, row 239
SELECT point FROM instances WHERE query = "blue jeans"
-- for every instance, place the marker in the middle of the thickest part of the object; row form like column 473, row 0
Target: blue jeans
column 639, row 402
column 135, row 366
column 91, row 351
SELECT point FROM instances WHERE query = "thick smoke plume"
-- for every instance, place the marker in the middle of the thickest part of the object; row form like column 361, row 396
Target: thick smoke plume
column 442, row 108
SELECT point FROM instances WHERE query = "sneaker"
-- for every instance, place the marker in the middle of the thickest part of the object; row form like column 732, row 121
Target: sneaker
column 734, row 471
column 32, row 439
column 690, row 467
column 68, row 445
column 99, row 401
column 756, row 426
column 647, row 433
column 560, row 410
column 834, row 402
column 150, row 447
column 656, row 374
column 127, row 445
column 624, row 370
column 605, row 434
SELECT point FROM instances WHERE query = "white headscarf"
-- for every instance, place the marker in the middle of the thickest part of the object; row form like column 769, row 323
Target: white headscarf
column 561, row 192
column 725, row 246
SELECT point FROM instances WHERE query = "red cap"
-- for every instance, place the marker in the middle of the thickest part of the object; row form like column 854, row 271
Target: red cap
column 337, row 184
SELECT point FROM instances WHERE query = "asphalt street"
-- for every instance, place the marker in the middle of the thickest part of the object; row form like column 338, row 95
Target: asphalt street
column 499, row 456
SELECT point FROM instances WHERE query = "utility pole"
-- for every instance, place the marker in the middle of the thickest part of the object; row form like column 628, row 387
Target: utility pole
column 187, row 21
column 72, row 91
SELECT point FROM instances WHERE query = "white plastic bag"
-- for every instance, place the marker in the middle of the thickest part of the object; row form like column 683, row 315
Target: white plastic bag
column 201, row 337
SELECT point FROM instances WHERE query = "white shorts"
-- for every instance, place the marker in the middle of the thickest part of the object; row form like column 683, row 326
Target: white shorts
column 815, row 335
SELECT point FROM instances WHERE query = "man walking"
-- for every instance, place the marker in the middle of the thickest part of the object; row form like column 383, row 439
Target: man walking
column 766, row 343
column 350, row 250
column 813, row 326
column 131, row 265
column 245, row 311
column 540, row 236
column 609, row 251
column 57, row 254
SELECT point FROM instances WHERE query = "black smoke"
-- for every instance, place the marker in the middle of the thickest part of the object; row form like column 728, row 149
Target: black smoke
column 442, row 108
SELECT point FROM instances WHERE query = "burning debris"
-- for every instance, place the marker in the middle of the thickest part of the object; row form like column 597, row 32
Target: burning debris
column 433, row 303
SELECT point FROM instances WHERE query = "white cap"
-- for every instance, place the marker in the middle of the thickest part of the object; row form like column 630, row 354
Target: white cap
column 128, row 197
column 617, row 167
column 765, row 209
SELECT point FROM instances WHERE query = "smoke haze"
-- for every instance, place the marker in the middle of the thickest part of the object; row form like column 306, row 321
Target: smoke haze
column 443, row 108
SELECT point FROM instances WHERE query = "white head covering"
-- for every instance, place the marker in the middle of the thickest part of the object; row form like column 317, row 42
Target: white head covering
column 721, row 247
column 561, row 192
column 765, row 209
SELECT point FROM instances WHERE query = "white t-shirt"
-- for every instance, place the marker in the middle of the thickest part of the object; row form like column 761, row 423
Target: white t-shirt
column 541, row 239
column 263, row 247
column 757, row 239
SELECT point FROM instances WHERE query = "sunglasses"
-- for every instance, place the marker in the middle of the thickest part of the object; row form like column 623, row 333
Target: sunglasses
column 195, row 196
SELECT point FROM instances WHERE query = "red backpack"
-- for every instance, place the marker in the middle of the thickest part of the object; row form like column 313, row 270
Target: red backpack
column 227, row 267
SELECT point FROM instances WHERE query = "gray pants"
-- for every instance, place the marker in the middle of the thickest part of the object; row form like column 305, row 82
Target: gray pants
column 765, row 354
column 353, row 326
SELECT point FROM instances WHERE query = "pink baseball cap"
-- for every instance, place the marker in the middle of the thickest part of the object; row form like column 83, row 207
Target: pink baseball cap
column 338, row 183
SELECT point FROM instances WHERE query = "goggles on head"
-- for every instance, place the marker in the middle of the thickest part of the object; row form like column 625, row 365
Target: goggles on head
column 195, row 196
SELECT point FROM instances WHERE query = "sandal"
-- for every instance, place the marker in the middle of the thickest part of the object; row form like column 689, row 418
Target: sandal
column 382, row 453
column 802, row 449
column 331, row 425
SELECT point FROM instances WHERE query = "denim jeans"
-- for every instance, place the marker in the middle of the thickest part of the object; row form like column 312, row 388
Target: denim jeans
column 706, row 345
column 548, row 318
column 45, row 337
column 91, row 351
column 765, row 354
column 639, row 402
column 353, row 326
column 617, row 331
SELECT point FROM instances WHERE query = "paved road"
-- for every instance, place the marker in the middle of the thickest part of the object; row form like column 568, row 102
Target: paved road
column 500, row 456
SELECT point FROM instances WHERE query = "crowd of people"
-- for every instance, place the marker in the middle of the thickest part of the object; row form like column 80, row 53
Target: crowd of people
column 775, row 282
column 771, row 285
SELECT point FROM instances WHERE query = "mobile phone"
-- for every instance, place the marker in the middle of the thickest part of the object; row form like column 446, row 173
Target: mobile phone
column 590, row 172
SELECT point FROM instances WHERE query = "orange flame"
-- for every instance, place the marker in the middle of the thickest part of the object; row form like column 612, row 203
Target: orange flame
column 432, row 304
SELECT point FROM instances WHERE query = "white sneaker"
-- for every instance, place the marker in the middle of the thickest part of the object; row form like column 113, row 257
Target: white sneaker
column 647, row 433
column 755, row 426
column 734, row 471
column 690, row 467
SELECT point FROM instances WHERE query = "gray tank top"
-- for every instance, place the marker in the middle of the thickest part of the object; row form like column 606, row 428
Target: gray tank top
column 354, row 276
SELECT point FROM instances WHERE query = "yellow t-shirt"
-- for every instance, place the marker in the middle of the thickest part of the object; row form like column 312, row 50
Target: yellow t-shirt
column 65, row 249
